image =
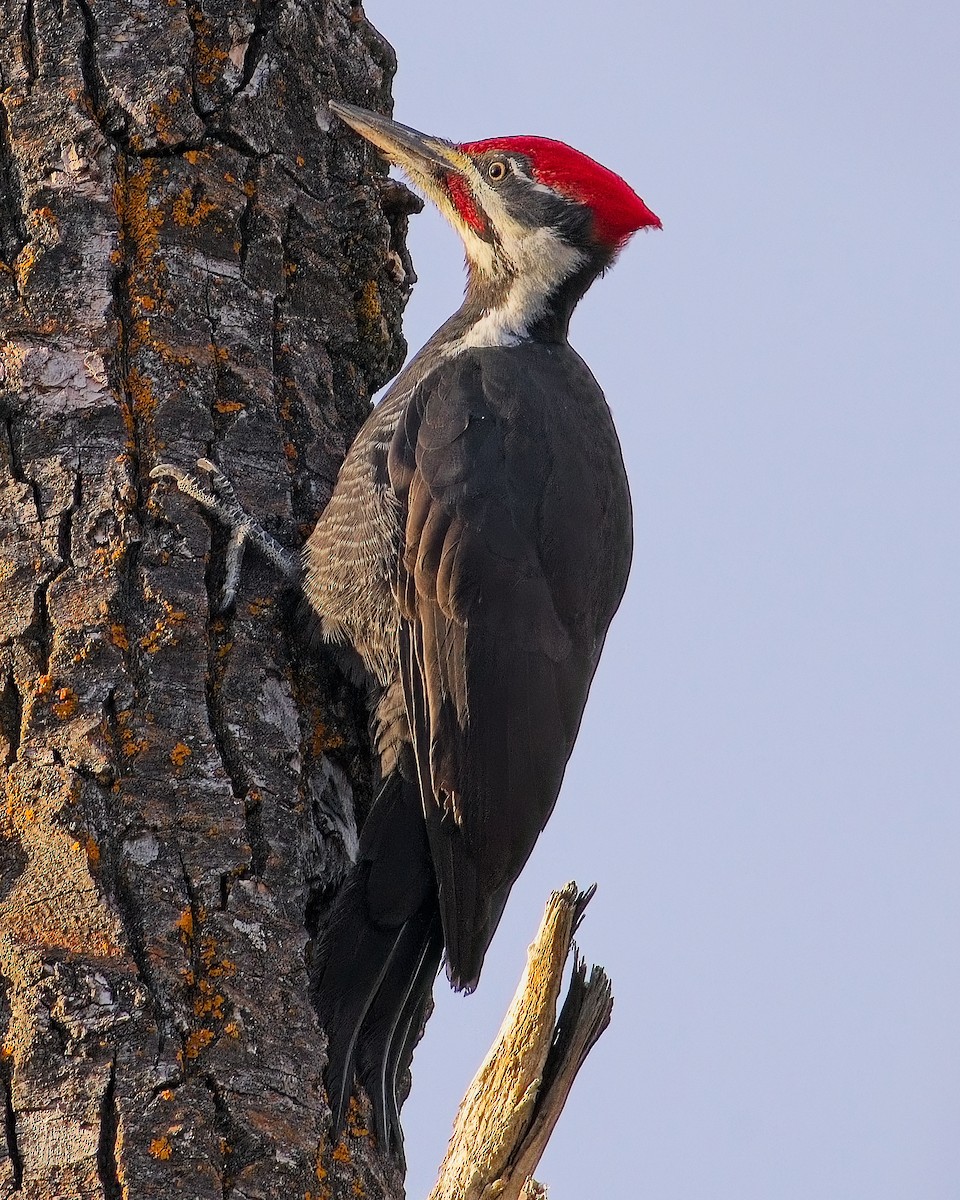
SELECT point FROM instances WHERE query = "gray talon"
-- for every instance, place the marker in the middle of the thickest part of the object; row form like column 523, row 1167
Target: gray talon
column 222, row 503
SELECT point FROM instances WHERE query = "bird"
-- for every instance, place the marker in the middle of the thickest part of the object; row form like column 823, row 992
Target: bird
column 474, row 550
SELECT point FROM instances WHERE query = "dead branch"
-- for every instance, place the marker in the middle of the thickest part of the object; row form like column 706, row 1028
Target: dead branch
column 516, row 1097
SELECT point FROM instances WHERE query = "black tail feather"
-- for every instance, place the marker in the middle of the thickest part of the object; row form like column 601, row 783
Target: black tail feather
column 378, row 958
column 385, row 1045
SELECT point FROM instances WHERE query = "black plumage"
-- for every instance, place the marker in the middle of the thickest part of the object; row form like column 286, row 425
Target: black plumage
column 474, row 551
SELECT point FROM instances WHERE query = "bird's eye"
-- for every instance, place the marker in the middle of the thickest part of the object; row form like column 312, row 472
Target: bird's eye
column 497, row 170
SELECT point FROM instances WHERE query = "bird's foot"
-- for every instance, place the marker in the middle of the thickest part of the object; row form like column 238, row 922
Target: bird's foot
column 221, row 501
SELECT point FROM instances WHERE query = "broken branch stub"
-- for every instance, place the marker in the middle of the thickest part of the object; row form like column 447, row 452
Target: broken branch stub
column 516, row 1097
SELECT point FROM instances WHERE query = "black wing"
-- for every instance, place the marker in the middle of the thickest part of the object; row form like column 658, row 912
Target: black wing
column 516, row 549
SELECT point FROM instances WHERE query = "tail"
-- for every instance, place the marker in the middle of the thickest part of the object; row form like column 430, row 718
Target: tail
column 378, row 959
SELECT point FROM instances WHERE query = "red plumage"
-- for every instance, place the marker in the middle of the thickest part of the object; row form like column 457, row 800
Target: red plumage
column 618, row 210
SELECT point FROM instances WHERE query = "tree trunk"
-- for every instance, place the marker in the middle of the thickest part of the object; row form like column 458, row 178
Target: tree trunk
column 195, row 261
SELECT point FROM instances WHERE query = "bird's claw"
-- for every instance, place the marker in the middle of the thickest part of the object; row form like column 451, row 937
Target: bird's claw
column 222, row 502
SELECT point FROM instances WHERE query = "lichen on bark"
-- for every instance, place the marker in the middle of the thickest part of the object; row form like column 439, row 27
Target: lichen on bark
column 193, row 261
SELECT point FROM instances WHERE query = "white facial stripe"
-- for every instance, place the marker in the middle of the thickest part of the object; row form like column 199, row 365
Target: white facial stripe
column 541, row 260
column 545, row 261
column 532, row 262
column 535, row 184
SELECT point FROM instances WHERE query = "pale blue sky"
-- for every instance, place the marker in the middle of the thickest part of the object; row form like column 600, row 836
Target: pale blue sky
column 766, row 784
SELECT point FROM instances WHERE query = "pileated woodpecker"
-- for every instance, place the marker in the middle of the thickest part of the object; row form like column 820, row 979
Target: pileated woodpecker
column 474, row 550
column 473, row 553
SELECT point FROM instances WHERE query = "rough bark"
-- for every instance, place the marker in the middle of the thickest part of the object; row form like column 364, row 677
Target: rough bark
column 193, row 263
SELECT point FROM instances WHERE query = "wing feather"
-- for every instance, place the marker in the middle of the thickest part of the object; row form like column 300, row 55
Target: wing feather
column 515, row 550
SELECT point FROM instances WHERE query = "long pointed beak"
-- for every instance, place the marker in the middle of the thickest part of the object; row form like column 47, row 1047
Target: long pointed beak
column 415, row 152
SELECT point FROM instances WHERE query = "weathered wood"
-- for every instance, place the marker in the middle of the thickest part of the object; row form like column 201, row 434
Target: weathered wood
column 516, row 1097
column 192, row 262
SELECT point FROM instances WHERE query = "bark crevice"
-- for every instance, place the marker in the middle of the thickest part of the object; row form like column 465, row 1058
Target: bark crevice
column 28, row 44
column 10, row 1130
column 11, row 718
column 107, row 1167
column 89, row 70
column 13, row 227
column 263, row 25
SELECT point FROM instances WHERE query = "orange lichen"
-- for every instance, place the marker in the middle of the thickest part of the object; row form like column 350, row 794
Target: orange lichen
column 130, row 746
column 228, row 406
column 167, row 1094
column 209, row 1001
column 198, row 1041
column 24, row 263
column 180, row 753
column 342, row 1153
column 162, row 632
column 118, row 635
column 161, row 1148
column 369, row 307
column 190, row 212
column 185, row 924
column 92, row 850
column 44, row 214
column 140, row 219
column 66, row 704
column 324, row 739
column 141, row 392
column 355, row 1126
